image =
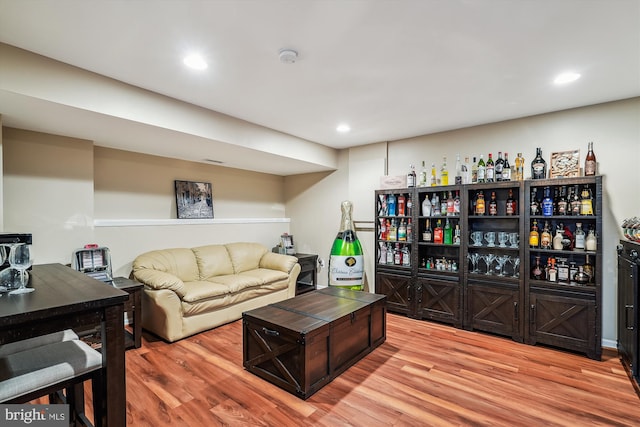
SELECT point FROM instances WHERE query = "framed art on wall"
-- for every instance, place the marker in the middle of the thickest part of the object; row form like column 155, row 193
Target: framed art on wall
column 565, row 164
column 194, row 199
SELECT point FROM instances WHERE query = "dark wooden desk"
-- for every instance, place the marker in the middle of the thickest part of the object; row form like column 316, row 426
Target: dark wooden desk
column 65, row 298
column 133, row 307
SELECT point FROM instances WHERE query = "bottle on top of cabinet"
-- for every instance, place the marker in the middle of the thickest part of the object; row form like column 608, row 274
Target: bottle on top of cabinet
column 590, row 162
column 538, row 166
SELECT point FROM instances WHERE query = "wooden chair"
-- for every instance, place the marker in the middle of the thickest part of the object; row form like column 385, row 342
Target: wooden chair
column 42, row 370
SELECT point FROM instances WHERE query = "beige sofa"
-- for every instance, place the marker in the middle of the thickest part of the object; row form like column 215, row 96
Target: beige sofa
column 189, row 290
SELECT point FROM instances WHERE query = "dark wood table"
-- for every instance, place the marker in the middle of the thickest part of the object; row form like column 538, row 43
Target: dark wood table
column 132, row 307
column 65, row 298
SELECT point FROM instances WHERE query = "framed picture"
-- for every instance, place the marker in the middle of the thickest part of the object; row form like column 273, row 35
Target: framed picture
column 194, row 199
column 565, row 164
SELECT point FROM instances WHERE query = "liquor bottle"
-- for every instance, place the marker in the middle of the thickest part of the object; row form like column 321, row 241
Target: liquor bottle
column 545, row 237
column 534, row 235
column 427, row 234
column 562, row 205
column 568, row 240
column 519, row 176
column 389, row 254
column 480, row 204
column 474, row 171
column 450, row 205
column 493, row 204
column 457, row 237
column 499, row 167
column 586, row 201
column 512, row 204
column 490, row 172
column 579, row 237
column 426, row 206
column 346, row 261
column 402, row 231
column 423, row 176
column 437, row 233
column 443, row 204
column 397, row 255
column 444, row 172
column 552, row 272
column 409, row 208
column 536, row 271
column 447, row 233
column 506, row 170
column 581, row 277
column 383, row 254
column 435, row 205
column 458, row 178
column 538, row 166
column 547, row 203
column 589, row 269
column 409, row 230
column 466, row 173
column 563, row 271
column 411, row 177
column 557, row 239
column 591, row 241
column 401, row 204
column 481, row 170
column 388, row 230
column 576, row 203
column 383, row 229
column 393, row 230
column 391, row 205
column 456, row 204
column 534, row 207
column 434, row 177
column 590, row 162
column 406, row 257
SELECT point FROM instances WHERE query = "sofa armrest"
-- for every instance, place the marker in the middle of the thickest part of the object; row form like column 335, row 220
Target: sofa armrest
column 274, row 261
column 156, row 279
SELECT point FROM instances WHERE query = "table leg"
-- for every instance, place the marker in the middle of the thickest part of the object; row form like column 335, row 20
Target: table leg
column 113, row 388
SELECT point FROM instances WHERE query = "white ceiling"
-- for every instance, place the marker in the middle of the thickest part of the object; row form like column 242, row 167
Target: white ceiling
column 391, row 69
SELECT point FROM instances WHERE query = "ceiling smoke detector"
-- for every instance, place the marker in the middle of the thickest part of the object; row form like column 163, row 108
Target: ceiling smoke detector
column 288, row 56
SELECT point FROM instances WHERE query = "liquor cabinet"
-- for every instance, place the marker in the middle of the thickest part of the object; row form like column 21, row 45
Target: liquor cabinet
column 629, row 308
column 480, row 278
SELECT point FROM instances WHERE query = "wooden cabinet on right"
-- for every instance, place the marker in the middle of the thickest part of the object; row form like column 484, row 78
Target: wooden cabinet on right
column 629, row 308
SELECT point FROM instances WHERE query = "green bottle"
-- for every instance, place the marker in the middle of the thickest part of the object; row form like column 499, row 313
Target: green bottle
column 346, row 263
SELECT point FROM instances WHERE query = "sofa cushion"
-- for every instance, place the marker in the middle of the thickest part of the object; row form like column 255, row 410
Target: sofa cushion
column 245, row 256
column 180, row 262
column 201, row 289
column 213, row 260
column 265, row 276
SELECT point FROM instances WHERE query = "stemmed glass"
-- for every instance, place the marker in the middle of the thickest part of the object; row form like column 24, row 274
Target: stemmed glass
column 474, row 257
column 20, row 259
column 516, row 264
column 502, row 260
column 488, row 259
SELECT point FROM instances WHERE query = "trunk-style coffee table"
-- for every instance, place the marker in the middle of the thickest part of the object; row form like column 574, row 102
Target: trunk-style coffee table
column 303, row 343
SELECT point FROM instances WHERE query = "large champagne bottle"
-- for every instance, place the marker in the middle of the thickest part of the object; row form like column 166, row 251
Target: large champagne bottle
column 346, row 263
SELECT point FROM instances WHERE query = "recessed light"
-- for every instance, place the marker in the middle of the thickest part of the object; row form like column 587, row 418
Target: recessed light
column 195, row 61
column 343, row 128
column 567, row 77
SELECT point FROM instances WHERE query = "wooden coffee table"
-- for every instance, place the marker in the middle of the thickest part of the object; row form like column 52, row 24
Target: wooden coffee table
column 303, row 343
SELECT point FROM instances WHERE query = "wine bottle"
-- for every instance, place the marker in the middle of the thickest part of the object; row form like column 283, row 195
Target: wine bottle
column 444, row 172
column 506, row 170
column 493, row 204
column 423, row 176
column 511, row 204
column 519, row 167
column 499, row 167
column 481, row 170
column 346, row 263
column 434, row 178
column 411, row 176
column 490, row 172
column 590, row 162
column 538, row 166
column 474, row 172
column 458, row 178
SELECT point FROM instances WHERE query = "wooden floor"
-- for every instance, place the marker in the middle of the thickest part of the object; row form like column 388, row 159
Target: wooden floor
column 425, row 374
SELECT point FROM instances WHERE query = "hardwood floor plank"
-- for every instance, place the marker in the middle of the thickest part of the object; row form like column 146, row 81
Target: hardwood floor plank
column 425, row 374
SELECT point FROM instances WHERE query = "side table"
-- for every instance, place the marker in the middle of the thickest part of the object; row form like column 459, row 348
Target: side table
column 133, row 306
column 308, row 277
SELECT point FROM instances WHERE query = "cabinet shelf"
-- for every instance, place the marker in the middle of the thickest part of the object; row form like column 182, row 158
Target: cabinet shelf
column 563, row 315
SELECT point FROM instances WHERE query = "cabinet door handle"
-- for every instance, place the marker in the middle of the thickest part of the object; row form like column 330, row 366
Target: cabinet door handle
column 626, row 317
column 532, row 314
column 515, row 311
column 408, row 292
column 419, row 291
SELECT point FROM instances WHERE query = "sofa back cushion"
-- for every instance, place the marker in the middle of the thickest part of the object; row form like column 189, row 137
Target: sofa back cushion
column 245, row 256
column 180, row 262
column 213, row 260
